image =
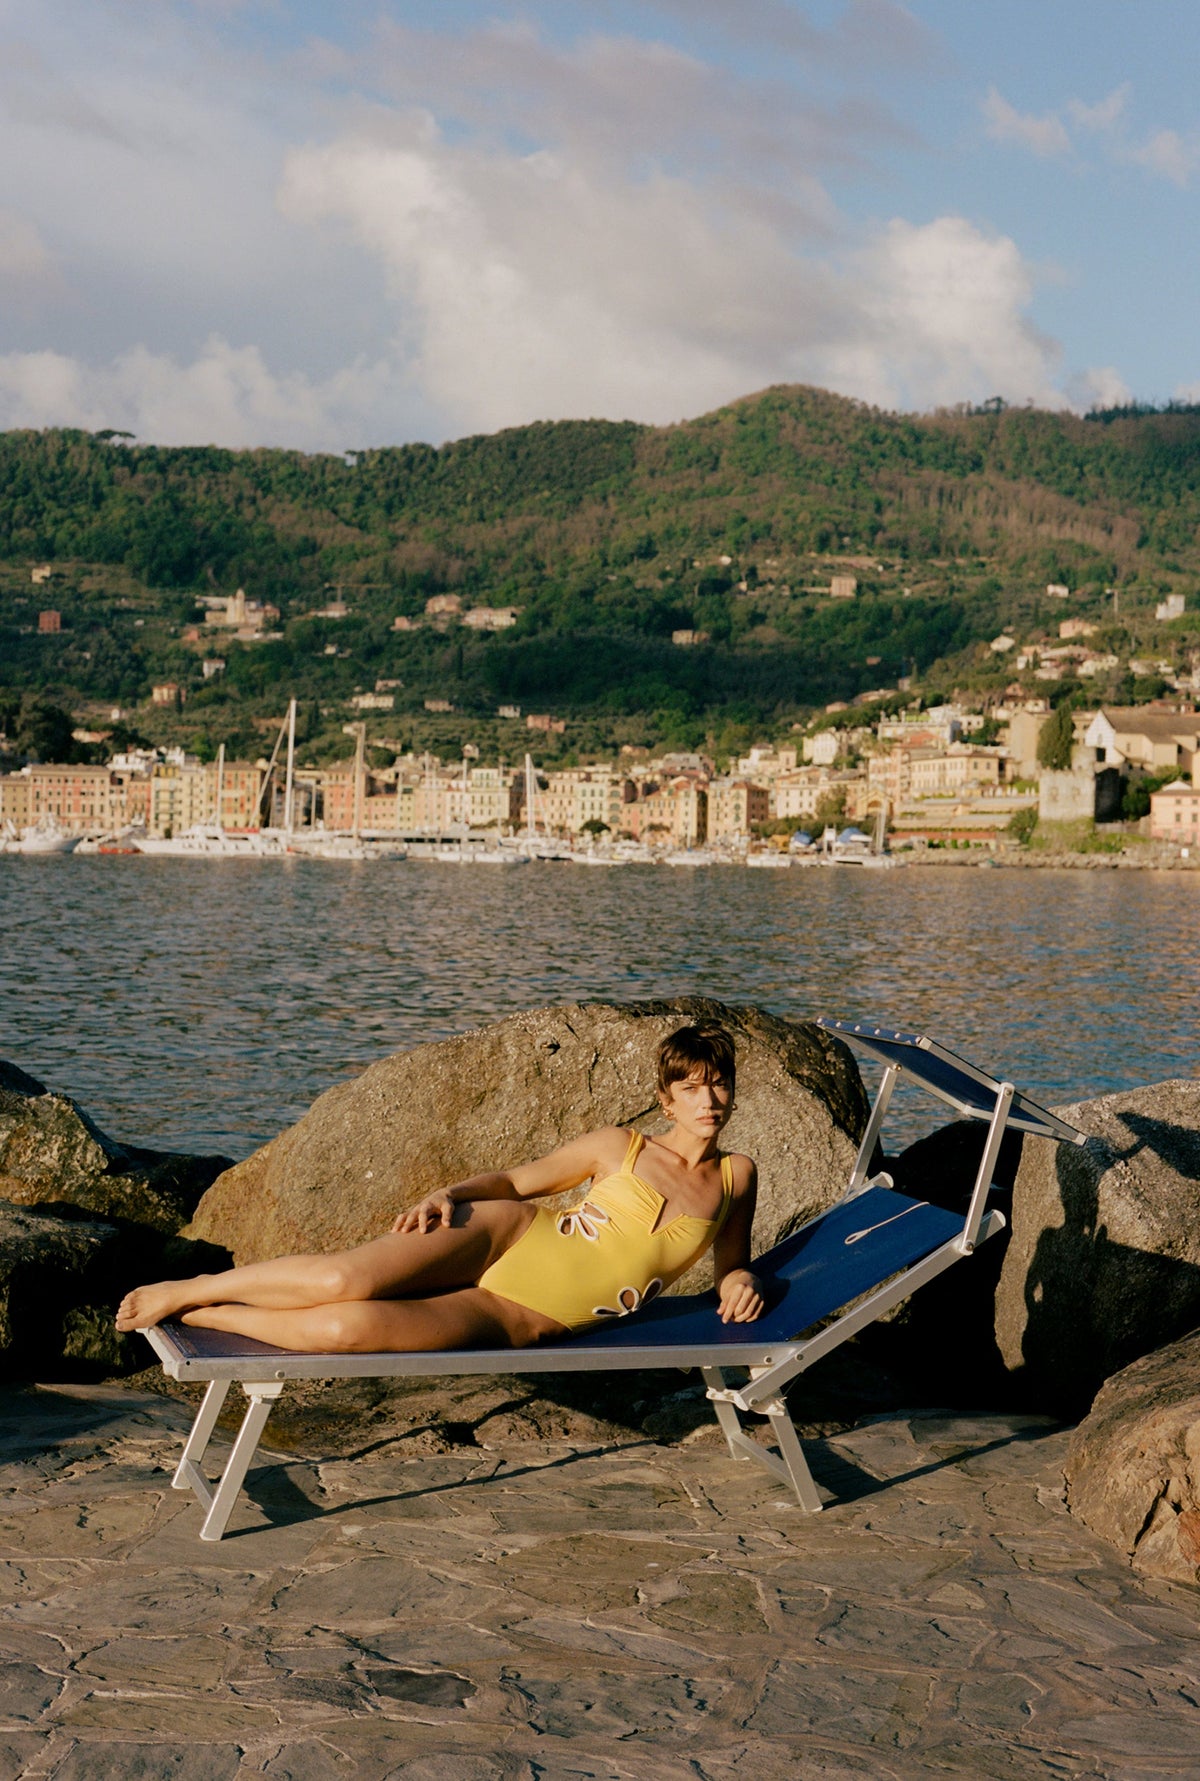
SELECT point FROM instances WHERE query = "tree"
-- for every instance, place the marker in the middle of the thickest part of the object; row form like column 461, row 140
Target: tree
column 124, row 736
column 593, row 826
column 831, row 810
column 1057, row 740
column 43, row 732
column 1135, row 797
column 1022, row 823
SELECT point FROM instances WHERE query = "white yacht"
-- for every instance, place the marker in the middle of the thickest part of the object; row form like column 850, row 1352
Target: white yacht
column 692, row 856
column 209, row 841
column 855, row 848
column 479, row 853
column 45, row 836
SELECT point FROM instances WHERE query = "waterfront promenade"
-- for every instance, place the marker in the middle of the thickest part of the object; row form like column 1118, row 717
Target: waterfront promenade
column 471, row 1593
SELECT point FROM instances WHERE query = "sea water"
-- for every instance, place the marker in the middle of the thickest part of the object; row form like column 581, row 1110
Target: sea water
column 203, row 1004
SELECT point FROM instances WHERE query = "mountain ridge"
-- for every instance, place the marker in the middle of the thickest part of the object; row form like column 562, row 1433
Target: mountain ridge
column 608, row 536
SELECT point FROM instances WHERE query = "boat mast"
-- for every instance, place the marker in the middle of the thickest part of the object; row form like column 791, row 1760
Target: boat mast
column 530, row 794
column 360, row 749
column 289, row 792
column 427, row 786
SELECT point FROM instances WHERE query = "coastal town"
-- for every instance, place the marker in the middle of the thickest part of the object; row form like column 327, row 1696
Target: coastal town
column 918, row 779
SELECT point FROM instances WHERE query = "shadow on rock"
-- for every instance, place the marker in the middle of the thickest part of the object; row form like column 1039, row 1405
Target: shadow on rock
column 1104, row 1261
column 939, row 1347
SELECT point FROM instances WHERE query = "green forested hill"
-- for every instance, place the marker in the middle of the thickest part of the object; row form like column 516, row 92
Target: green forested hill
column 607, row 536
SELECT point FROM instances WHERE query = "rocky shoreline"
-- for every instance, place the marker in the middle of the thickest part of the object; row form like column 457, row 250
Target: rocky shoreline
column 479, row 1577
column 1031, row 859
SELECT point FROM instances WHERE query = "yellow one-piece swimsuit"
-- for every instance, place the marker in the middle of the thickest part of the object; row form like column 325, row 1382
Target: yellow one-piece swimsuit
column 605, row 1258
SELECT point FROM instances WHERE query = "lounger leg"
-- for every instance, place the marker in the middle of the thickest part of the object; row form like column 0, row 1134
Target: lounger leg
column 792, row 1455
column 726, row 1415
column 188, row 1475
column 220, row 1507
column 788, row 1463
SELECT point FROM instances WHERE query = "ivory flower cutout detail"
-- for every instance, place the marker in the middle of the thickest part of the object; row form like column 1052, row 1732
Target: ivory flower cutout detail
column 585, row 1221
column 629, row 1300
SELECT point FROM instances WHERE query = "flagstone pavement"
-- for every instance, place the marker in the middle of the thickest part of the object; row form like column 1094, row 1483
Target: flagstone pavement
column 618, row 1610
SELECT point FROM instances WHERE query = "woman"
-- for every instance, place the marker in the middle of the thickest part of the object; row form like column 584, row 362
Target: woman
column 475, row 1265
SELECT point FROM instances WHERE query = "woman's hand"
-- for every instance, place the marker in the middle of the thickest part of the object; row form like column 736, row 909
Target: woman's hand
column 741, row 1297
column 434, row 1210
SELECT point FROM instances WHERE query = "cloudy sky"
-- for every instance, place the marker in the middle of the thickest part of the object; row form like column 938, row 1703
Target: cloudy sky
column 329, row 224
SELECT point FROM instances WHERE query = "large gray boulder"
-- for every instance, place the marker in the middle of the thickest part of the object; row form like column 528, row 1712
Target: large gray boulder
column 1133, row 1467
column 57, row 1278
column 512, row 1091
column 1103, row 1264
column 51, row 1152
column 62, row 1274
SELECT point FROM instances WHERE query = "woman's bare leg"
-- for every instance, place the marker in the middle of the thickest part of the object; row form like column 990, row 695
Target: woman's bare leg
column 389, row 1267
column 465, row 1319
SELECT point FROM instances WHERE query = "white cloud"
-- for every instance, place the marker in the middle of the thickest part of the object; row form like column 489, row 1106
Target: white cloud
column 535, row 287
column 1104, row 114
column 1046, row 135
column 1174, row 156
column 1171, row 154
column 1102, row 386
column 226, row 395
column 943, row 319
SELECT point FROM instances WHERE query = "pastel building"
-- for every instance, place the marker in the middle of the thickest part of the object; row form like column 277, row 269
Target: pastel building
column 1175, row 814
column 674, row 814
column 734, row 806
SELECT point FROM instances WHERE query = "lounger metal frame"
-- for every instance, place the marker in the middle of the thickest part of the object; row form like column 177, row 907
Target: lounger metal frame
column 772, row 1363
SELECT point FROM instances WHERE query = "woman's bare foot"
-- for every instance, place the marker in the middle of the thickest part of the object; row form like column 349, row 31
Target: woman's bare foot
column 147, row 1305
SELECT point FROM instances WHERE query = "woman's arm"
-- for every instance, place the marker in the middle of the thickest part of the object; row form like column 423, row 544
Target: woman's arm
column 739, row 1291
column 567, row 1167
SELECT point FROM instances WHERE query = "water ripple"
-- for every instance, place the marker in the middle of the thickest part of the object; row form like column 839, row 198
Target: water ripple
column 203, row 1005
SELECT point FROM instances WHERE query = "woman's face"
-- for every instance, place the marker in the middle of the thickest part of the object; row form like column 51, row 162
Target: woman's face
column 698, row 1103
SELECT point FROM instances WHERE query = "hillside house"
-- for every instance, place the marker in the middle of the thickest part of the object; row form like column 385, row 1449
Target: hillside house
column 1144, row 736
column 491, row 618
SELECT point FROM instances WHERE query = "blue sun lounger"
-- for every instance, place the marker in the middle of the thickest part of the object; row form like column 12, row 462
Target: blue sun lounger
column 825, row 1282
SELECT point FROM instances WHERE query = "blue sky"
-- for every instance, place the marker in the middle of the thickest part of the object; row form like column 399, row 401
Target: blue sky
column 287, row 222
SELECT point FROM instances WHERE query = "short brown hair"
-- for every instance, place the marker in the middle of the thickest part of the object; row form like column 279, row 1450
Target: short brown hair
column 707, row 1047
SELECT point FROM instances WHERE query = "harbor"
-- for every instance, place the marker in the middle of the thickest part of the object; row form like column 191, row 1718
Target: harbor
column 284, row 821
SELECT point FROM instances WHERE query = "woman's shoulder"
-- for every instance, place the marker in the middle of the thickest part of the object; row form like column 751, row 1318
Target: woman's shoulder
column 743, row 1170
column 610, row 1144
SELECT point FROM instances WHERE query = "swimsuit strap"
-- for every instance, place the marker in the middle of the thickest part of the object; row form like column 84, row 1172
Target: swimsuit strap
column 726, row 1190
column 636, row 1141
